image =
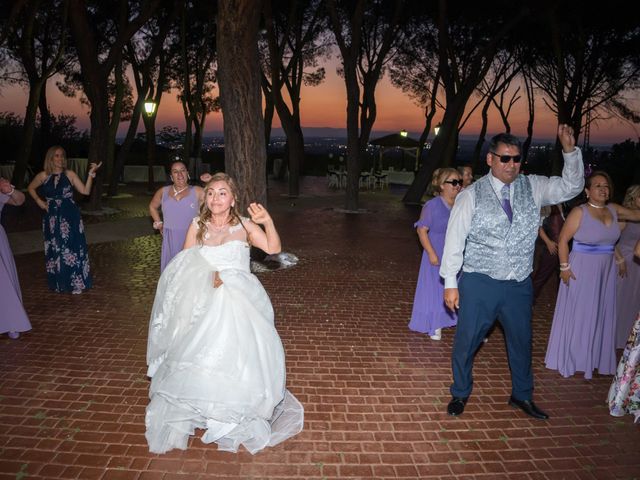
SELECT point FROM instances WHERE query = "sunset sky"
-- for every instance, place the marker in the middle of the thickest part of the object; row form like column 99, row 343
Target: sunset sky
column 325, row 106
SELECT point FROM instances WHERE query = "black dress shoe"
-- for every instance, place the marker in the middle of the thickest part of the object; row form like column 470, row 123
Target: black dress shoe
column 456, row 406
column 528, row 407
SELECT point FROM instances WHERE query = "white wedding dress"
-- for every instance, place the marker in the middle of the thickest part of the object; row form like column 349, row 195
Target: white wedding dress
column 215, row 357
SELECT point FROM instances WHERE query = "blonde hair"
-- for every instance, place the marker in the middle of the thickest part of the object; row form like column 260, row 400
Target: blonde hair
column 630, row 196
column 440, row 175
column 205, row 214
column 48, row 159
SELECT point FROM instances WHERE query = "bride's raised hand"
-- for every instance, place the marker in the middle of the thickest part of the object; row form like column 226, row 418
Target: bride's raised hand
column 258, row 214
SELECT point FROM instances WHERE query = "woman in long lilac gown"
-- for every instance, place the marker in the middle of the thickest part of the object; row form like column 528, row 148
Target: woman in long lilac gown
column 13, row 318
column 583, row 331
column 430, row 315
column 179, row 204
column 65, row 245
column 628, row 289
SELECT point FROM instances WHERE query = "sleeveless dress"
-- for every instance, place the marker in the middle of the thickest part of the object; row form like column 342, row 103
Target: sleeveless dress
column 429, row 310
column 176, row 217
column 583, row 331
column 13, row 318
column 628, row 304
column 624, row 394
column 65, row 246
column 215, row 357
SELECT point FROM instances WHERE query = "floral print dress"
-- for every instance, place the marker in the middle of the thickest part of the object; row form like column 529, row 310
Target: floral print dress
column 624, row 394
column 65, row 245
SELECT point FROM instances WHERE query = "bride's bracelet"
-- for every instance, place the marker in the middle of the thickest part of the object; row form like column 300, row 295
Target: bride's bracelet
column 564, row 267
column 157, row 225
column 619, row 261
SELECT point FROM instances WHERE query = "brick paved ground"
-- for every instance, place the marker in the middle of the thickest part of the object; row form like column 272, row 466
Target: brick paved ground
column 73, row 391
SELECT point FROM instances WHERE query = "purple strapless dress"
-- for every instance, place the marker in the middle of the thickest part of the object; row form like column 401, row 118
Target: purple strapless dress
column 583, row 331
column 13, row 318
column 176, row 217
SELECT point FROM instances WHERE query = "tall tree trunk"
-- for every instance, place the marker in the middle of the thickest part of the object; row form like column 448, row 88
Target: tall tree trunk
column 239, row 77
column 45, row 120
column 531, row 111
column 28, row 129
column 150, row 128
column 269, row 109
column 98, row 138
column 475, row 159
column 115, row 120
column 441, row 153
column 125, row 148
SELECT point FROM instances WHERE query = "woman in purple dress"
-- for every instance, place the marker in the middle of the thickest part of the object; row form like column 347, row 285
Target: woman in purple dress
column 628, row 299
column 13, row 318
column 430, row 315
column 65, row 245
column 583, row 331
column 179, row 204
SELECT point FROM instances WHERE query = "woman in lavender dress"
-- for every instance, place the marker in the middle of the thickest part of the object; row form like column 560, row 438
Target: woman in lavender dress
column 583, row 331
column 65, row 245
column 430, row 315
column 179, row 204
column 13, row 318
column 628, row 299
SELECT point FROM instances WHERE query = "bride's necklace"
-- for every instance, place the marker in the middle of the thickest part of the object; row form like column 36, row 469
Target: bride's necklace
column 216, row 229
column 178, row 192
column 595, row 206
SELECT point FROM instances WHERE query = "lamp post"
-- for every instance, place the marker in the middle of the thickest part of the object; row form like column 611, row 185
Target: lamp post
column 436, row 129
column 150, row 126
column 403, row 133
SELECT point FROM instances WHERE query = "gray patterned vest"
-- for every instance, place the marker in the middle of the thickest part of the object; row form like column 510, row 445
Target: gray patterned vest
column 494, row 246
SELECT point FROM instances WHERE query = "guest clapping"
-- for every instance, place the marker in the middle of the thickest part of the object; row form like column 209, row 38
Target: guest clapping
column 13, row 319
column 65, row 245
column 178, row 204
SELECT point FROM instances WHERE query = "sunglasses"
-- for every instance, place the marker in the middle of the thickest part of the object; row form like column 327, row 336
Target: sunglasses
column 507, row 158
column 454, row 183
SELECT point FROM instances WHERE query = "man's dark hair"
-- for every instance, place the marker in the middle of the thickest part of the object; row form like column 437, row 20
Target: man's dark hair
column 505, row 138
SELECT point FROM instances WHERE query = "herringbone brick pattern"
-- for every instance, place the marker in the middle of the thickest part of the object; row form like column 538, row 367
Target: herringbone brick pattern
column 73, row 391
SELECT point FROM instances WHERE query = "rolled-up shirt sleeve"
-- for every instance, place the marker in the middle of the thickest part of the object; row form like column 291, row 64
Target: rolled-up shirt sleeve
column 456, row 238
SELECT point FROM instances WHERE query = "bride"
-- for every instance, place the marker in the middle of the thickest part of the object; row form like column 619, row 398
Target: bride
column 215, row 359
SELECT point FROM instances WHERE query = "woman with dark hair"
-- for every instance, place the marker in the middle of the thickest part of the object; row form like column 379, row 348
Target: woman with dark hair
column 430, row 315
column 583, row 331
column 13, row 319
column 214, row 355
column 65, row 246
column 178, row 203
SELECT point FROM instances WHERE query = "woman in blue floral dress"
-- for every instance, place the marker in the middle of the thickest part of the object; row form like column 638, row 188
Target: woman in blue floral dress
column 65, row 246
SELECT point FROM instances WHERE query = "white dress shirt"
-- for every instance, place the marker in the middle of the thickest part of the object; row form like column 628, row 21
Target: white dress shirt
column 546, row 191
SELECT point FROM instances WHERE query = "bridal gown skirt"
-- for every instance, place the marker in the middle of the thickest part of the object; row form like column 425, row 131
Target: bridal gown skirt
column 215, row 357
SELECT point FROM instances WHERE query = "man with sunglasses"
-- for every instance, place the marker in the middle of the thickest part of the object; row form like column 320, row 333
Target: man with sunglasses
column 491, row 235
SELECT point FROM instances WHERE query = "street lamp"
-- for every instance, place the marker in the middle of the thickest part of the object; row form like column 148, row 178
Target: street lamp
column 403, row 133
column 436, row 129
column 149, row 107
